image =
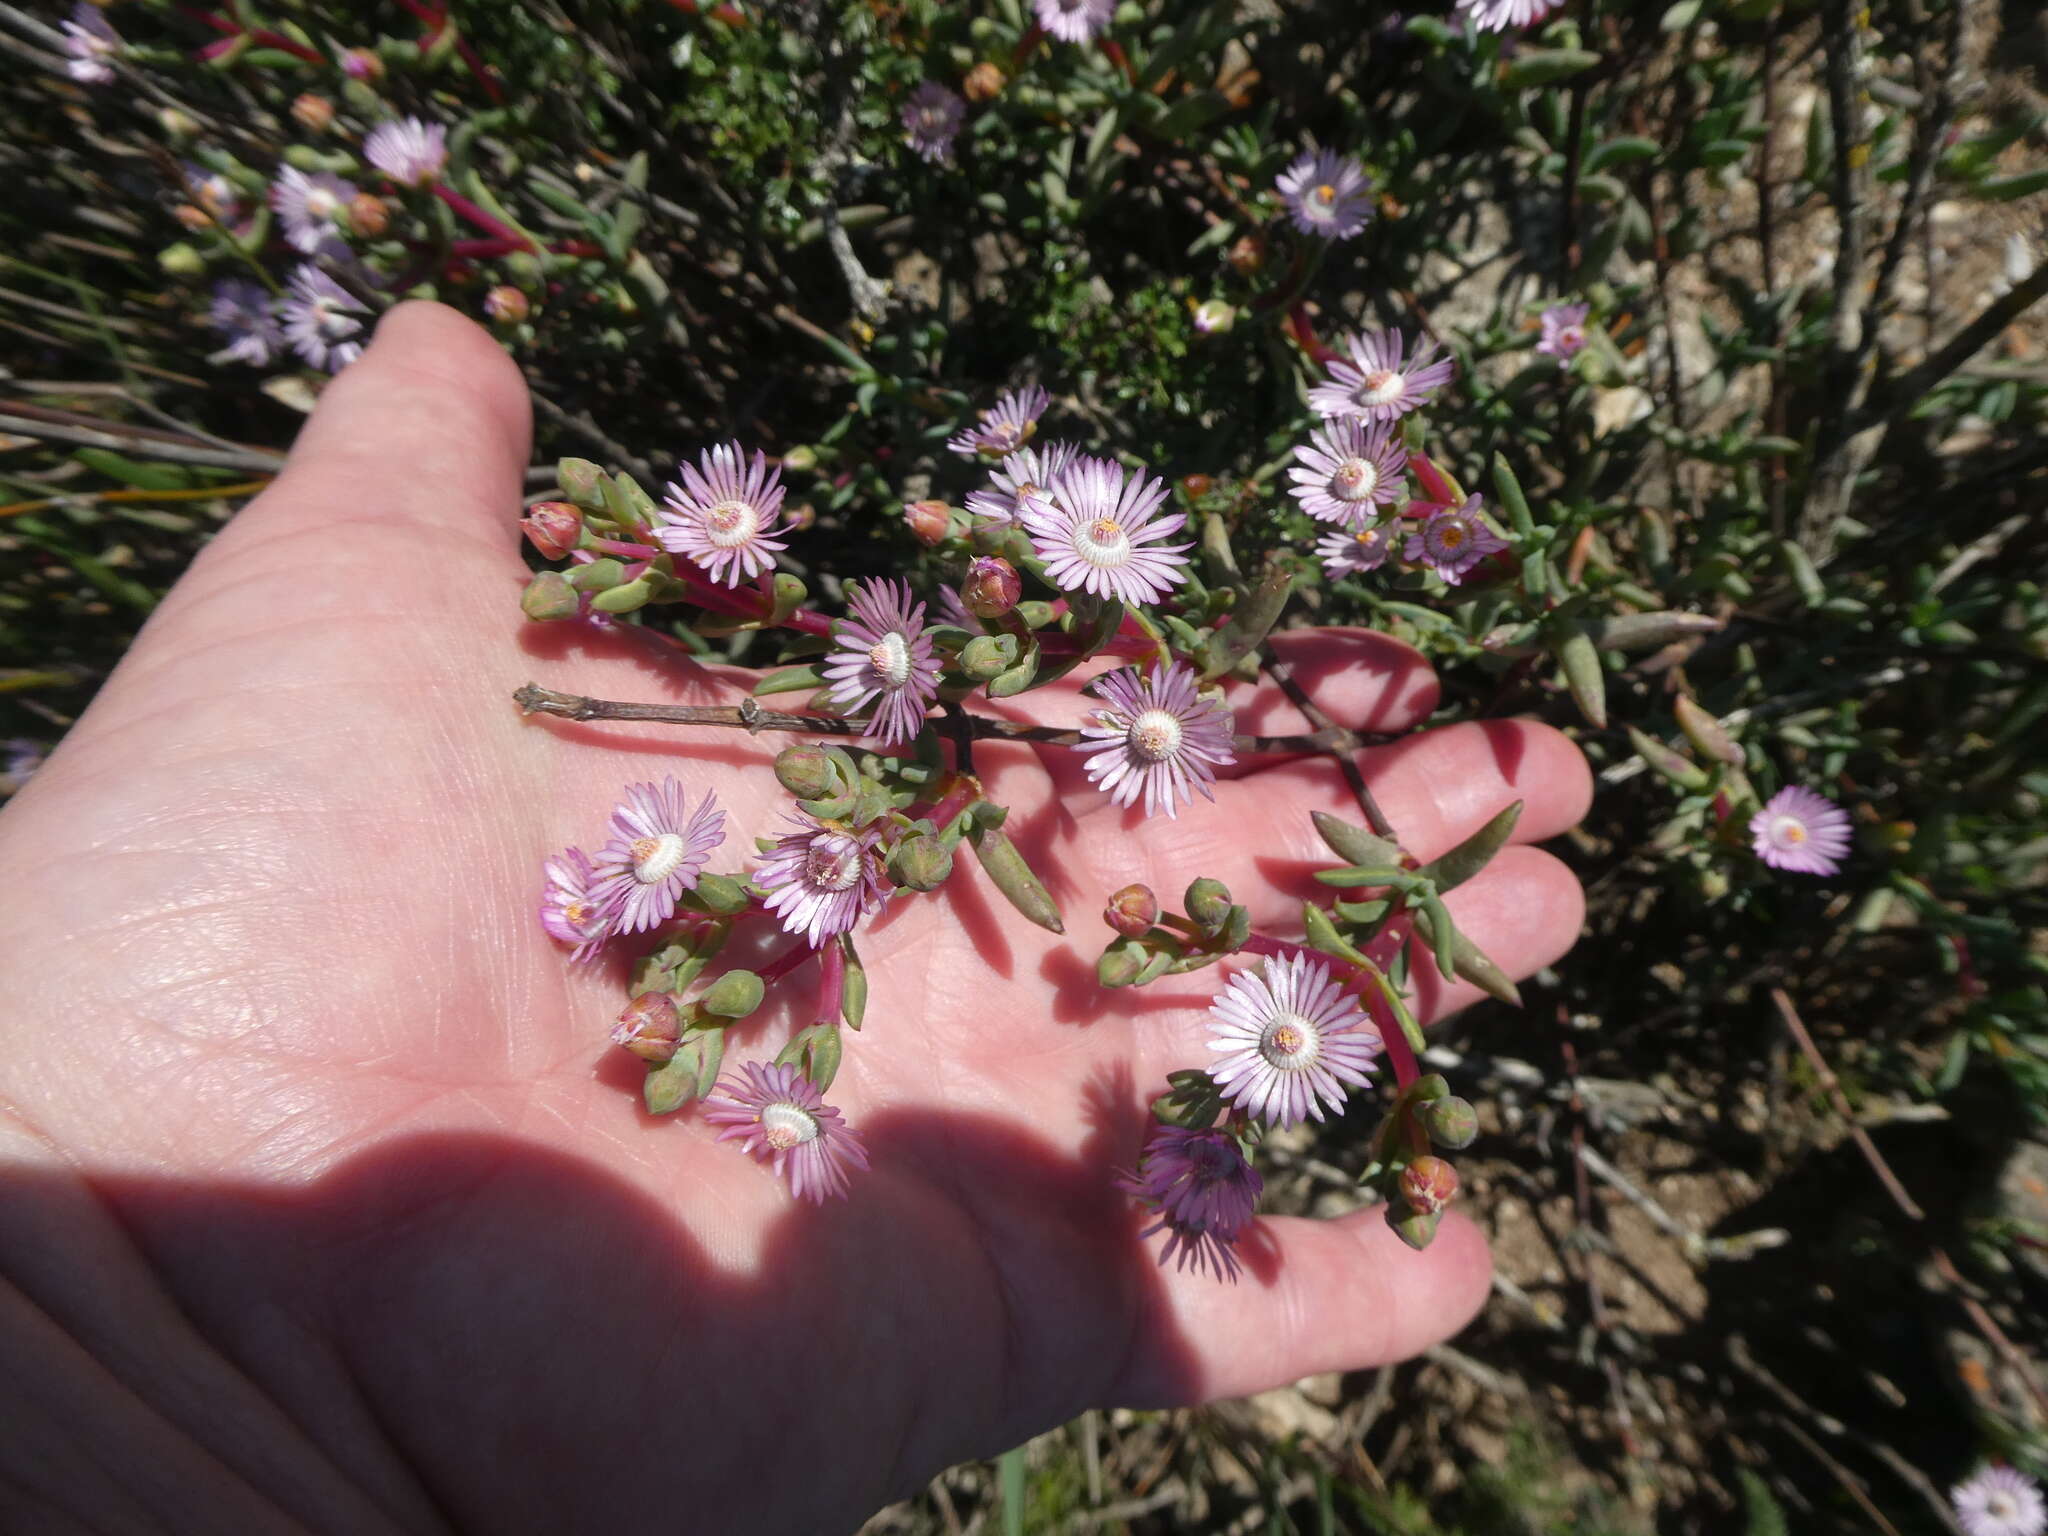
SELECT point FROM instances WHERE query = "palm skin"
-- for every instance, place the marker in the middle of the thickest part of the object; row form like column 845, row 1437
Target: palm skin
column 325, row 1189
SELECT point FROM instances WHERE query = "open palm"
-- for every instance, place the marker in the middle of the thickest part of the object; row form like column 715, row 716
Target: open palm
column 319, row 1164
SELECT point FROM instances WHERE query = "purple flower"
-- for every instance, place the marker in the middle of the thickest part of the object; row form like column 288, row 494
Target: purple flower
column 1348, row 470
column 409, row 151
column 1352, row 551
column 823, row 878
column 1157, row 737
column 781, row 1119
column 1027, row 472
column 1379, row 383
column 723, row 513
column 323, row 320
column 1498, row 15
column 91, row 40
column 1564, row 331
column 1004, row 427
column 213, row 192
column 1203, row 1191
column 1074, row 21
column 1327, row 194
column 243, row 312
column 313, row 209
column 1998, row 1501
column 1453, row 540
column 1098, row 531
column 885, row 653
column 1801, row 831
column 932, row 117
column 658, row 848
column 21, row 758
column 1288, row 1042
column 570, row 909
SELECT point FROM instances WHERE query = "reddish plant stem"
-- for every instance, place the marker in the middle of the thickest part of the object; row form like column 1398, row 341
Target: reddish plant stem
column 1025, row 44
column 468, row 210
column 1398, row 1050
column 784, row 963
column 831, row 982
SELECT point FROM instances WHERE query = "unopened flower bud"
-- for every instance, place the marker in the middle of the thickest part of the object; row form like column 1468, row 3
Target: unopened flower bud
column 582, row 482
column 992, row 587
column 313, row 113
column 1451, row 1122
column 806, row 772
column 1415, row 1228
column 921, row 863
column 733, row 996
column 1247, row 254
column 368, row 215
column 1120, row 965
column 648, row 1027
column 1428, row 1185
column 802, row 459
column 1213, row 317
column 553, row 527
column 181, row 260
column 987, row 657
column 361, row 64
column 1132, row 910
column 506, row 305
column 799, row 517
column 984, row 82
column 194, row 219
column 930, row 521
column 549, row 596
column 1208, row 905
column 177, row 126
column 1197, row 485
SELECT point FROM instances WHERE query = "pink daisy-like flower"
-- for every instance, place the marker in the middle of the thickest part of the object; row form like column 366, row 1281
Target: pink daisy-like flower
column 569, row 906
column 90, row 40
column 1353, row 551
column 1157, row 737
column 723, row 513
column 1288, row 1042
column 1380, row 383
column 823, row 878
column 1801, row 831
column 1499, row 15
column 1004, row 427
column 213, row 192
column 1074, row 21
column 885, row 653
column 1348, row 469
column 322, row 320
column 658, row 848
column 242, row 311
column 409, row 151
column 1203, row 1190
column 313, row 209
column 778, row 1117
column 1453, row 540
column 1327, row 194
column 1998, row 1501
column 1098, row 531
column 1030, row 471
column 1564, row 330
column 932, row 118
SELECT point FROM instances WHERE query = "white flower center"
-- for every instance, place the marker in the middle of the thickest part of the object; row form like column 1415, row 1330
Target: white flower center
column 732, row 523
column 1290, row 1043
column 1382, row 387
column 334, row 323
column 890, row 657
column 1103, row 542
column 1155, row 735
column 322, row 204
column 832, row 863
column 1355, row 480
column 1788, row 832
column 656, row 858
column 784, row 1126
column 1571, row 338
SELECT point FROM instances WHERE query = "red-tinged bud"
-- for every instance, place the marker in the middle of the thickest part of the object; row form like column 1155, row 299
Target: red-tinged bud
column 1132, row 910
column 1197, row 486
column 549, row 597
column 648, row 1027
column 992, row 587
column 368, row 216
column 507, row 305
column 1247, row 254
column 984, row 82
column 800, row 517
column 1451, row 1122
column 1208, row 904
column 806, row 772
column 930, row 521
column 194, row 219
column 1428, row 1185
column 361, row 64
column 313, row 113
column 553, row 527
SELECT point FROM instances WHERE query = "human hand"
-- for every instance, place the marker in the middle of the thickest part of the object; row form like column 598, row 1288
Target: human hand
column 327, row 1198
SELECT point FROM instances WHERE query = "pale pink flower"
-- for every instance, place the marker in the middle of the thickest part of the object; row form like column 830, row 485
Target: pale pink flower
column 884, row 654
column 246, row 315
column 1499, row 15
column 1074, row 21
column 313, row 209
column 823, row 878
column 1998, row 1501
column 570, row 909
column 90, row 40
column 1098, row 531
column 931, row 119
column 323, row 321
column 1004, row 427
column 1327, row 194
column 1203, row 1190
column 409, row 151
column 1564, row 331
column 1030, row 471
column 659, row 846
column 1287, row 1043
column 1353, row 551
column 723, row 514
column 1380, row 382
column 778, row 1117
column 1452, row 540
column 1801, row 831
column 1348, row 469
column 1157, row 737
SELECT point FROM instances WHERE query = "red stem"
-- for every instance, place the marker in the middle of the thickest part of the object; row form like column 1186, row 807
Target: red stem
column 784, row 963
column 831, row 982
column 284, row 44
column 1398, row 1049
column 468, row 210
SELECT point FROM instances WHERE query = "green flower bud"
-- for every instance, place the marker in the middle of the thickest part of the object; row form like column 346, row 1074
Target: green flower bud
column 1208, row 905
column 1413, row 1227
column 1120, row 964
column 921, row 863
column 181, row 260
column 549, row 596
column 987, row 657
column 806, row 772
column 801, row 459
column 582, row 482
column 1451, row 1122
column 733, row 996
